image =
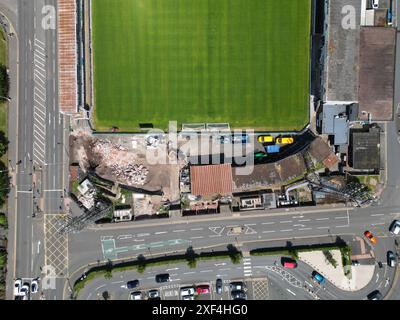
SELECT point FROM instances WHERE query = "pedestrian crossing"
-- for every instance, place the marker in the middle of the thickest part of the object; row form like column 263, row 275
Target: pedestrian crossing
column 247, row 270
column 39, row 102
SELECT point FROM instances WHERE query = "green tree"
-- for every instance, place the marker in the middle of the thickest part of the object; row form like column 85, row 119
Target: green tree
column 4, row 183
column 4, row 82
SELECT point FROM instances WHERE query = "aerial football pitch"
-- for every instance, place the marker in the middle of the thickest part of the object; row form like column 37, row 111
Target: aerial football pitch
column 246, row 63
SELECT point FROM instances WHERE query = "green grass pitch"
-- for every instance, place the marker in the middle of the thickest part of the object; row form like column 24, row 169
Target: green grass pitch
column 245, row 62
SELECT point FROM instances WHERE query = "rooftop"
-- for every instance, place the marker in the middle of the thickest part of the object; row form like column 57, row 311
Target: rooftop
column 377, row 59
column 321, row 152
column 334, row 122
column 212, row 179
column 341, row 76
column 366, row 150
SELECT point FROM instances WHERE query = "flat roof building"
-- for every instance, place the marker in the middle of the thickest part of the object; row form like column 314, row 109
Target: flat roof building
column 376, row 76
column 365, row 150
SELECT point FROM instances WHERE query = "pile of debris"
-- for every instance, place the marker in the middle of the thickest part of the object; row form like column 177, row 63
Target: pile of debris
column 107, row 148
column 130, row 174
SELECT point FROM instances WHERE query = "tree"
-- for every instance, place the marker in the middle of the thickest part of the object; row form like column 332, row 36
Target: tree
column 3, row 144
column 329, row 258
column 191, row 257
column 106, row 295
column 4, row 183
column 234, row 254
column 4, row 82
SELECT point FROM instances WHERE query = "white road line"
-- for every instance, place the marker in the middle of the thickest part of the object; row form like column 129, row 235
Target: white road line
column 246, row 263
column 320, row 219
column 323, row 227
column 341, row 226
column 142, row 234
column 269, row 231
column 246, row 267
column 178, row 230
column 191, row 272
column 377, row 224
column 161, row 232
column 303, row 229
column 103, row 285
column 288, row 221
column 224, row 269
column 290, row 291
column 304, row 220
column 196, row 237
column 206, row 271
column 172, row 269
column 286, row 230
column 196, row 229
column 214, row 235
column 115, row 282
column 268, row 223
column 341, row 217
column 377, row 214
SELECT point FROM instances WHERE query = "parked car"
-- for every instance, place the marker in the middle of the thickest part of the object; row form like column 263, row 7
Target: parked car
column 355, row 263
column 187, row 291
column 218, row 286
column 284, row 140
column 395, row 227
column 370, row 236
column 240, row 138
column 265, row 139
column 391, row 259
column 318, row 277
column 203, row 289
column 132, row 284
column 375, row 4
column 163, row 277
column 237, row 285
column 137, row 295
column 289, row 263
column 238, row 295
column 225, row 140
column 375, row 295
column 34, row 285
column 154, row 295
column 24, row 289
column 17, row 286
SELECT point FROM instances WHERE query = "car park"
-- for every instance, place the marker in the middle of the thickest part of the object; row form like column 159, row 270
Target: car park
column 238, row 295
column 395, row 227
column 17, row 286
column 137, row 295
column 34, row 286
column 370, row 236
column 318, row 277
column 203, row 289
column 237, row 286
column 391, row 259
column 163, row 277
column 132, row 284
column 375, row 295
column 154, row 295
column 218, row 286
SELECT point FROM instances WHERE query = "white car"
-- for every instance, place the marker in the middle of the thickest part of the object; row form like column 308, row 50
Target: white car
column 375, row 4
column 187, row 293
column 395, row 227
column 17, row 287
column 137, row 295
column 24, row 290
column 34, row 286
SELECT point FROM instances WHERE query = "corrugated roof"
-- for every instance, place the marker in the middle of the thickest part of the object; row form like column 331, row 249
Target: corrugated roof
column 67, row 56
column 212, row 179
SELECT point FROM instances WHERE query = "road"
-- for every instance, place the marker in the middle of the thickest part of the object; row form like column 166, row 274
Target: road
column 36, row 136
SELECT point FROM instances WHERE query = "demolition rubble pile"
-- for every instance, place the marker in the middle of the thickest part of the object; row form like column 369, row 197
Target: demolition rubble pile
column 121, row 162
column 132, row 173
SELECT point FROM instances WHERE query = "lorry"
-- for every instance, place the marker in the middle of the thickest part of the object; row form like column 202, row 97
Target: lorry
column 275, row 148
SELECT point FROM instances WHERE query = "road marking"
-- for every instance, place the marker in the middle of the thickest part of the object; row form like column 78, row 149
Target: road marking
column 323, row 228
column 303, row 229
column 269, row 231
column 268, row 223
column 199, row 237
column 161, row 232
column 247, row 262
column 103, row 285
column 38, row 247
column 288, row 221
column 246, row 267
column 196, row 229
column 304, row 220
column 320, row 219
column 377, row 224
column 214, row 235
column 341, row 217
column 309, row 284
column 341, row 226
column 178, row 230
column 290, row 291
column 286, row 230
column 191, row 272
column 220, row 264
column 125, row 236
column 377, row 214
column 224, row 269
column 115, row 282
column 206, row 271
column 142, row 234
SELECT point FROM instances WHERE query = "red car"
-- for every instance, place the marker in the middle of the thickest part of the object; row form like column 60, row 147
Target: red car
column 370, row 236
column 290, row 264
column 204, row 289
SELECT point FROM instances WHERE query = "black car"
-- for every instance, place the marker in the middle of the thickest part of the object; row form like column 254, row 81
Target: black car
column 163, row 277
column 218, row 286
column 375, row 295
column 238, row 295
column 237, row 286
column 132, row 284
